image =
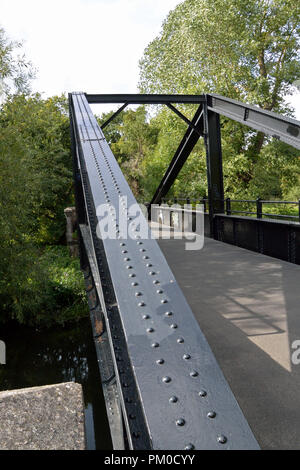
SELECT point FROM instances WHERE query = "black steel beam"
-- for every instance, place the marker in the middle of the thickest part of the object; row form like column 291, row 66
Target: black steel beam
column 280, row 127
column 144, row 99
column 214, row 165
column 113, row 116
column 150, row 325
column 187, row 144
column 184, row 118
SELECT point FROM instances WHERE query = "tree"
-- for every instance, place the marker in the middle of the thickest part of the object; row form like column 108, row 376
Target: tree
column 243, row 49
column 15, row 71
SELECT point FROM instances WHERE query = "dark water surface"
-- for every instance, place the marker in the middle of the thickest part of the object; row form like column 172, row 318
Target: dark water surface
column 44, row 357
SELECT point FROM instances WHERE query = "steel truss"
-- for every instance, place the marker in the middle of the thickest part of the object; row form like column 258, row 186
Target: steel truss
column 162, row 384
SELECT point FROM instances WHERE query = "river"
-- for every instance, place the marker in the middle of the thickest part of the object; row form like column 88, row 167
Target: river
column 43, row 357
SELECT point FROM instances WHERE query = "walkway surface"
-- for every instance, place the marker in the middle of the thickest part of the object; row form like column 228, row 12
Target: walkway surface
column 248, row 307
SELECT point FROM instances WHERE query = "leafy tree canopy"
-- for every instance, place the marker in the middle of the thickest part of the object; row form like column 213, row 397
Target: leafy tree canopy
column 243, row 49
column 15, row 71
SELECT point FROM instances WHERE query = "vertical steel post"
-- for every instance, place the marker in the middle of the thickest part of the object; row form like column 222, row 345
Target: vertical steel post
column 228, row 206
column 214, row 164
column 258, row 208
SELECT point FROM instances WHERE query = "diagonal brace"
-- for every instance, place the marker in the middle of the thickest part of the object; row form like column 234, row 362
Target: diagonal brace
column 113, row 116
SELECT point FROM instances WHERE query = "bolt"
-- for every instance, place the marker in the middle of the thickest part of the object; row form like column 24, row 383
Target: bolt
column 211, row 414
column 174, row 326
column 189, row 447
column 166, row 380
column 173, row 399
column 202, row 393
column 180, row 340
column 222, row 439
column 180, row 422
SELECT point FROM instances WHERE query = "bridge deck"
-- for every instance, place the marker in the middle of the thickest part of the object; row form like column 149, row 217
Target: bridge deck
column 247, row 306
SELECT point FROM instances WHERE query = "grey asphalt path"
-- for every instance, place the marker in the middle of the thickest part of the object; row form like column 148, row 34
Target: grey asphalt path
column 248, row 307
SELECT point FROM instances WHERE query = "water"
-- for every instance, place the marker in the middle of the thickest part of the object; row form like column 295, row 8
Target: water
column 38, row 357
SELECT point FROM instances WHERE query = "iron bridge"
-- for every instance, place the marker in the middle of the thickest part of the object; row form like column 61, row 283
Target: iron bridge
column 162, row 385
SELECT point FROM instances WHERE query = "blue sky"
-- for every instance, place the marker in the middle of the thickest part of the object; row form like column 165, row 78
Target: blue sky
column 87, row 45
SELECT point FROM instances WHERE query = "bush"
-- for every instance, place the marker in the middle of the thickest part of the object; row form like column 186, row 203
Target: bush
column 44, row 287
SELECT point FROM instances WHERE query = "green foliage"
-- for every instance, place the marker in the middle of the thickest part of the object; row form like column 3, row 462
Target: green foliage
column 38, row 285
column 15, row 71
column 43, row 287
column 36, row 167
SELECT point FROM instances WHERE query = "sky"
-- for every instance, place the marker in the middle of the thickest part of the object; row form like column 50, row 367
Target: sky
column 87, row 45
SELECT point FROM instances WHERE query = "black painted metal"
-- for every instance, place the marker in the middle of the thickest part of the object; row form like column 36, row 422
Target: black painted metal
column 150, row 327
column 113, row 116
column 186, row 145
column 144, row 99
column 270, row 237
column 184, row 118
column 213, row 164
column 280, row 127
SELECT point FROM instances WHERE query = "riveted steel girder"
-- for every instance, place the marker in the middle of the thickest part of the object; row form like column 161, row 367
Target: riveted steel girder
column 184, row 398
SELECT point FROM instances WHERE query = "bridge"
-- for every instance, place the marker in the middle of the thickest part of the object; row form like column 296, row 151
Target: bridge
column 198, row 357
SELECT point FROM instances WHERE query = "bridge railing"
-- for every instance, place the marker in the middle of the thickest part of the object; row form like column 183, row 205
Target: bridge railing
column 236, row 206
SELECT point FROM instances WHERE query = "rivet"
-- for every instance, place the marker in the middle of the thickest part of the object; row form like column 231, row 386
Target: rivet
column 150, row 330
column 164, row 301
column 148, row 265
column 160, row 361
column 156, row 281
column 222, row 439
column 141, row 304
column 139, row 243
column 186, row 356
column 180, row 422
column 180, row 340
column 159, row 291
column 155, row 345
column 202, row 393
column 142, row 250
column 145, row 257
column 122, row 244
column 166, row 379
column 174, row 326
column 132, row 275
column 151, row 273
column 173, row 399
column 194, row 373
column 146, row 317
column 127, row 259
column 124, row 251
column 134, row 284
column 129, row 267
column 211, row 414
column 169, row 314
column 189, row 447
column 138, row 294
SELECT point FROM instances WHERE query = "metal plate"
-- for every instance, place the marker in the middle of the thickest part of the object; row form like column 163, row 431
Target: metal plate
column 280, row 127
column 186, row 400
